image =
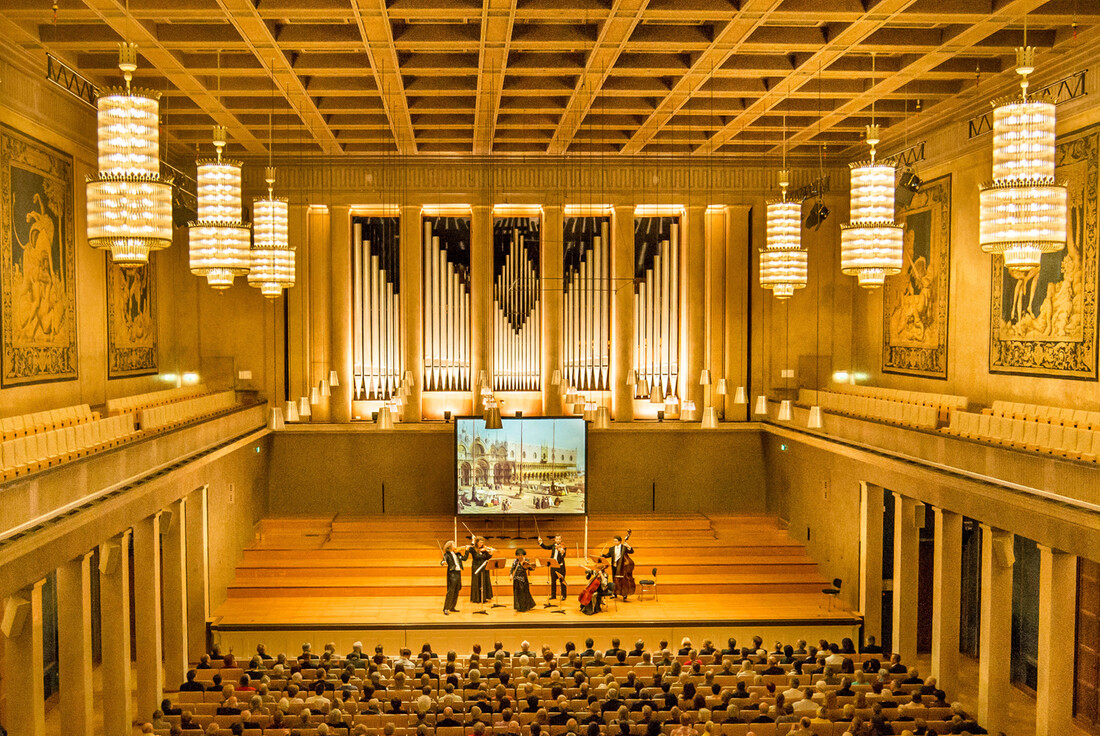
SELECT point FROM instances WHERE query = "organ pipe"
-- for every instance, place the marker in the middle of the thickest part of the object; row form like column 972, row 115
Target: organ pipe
column 657, row 316
column 378, row 360
column 587, row 307
column 517, row 318
column 446, row 299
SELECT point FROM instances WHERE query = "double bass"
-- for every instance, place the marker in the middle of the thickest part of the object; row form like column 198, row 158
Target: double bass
column 624, row 580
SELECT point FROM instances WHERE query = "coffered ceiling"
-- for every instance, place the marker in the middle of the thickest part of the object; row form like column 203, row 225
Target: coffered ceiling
column 686, row 77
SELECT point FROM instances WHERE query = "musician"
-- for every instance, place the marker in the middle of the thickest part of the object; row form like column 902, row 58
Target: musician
column 521, row 586
column 481, row 588
column 453, row 560
column 599, row 586
column 557, row 574
column 618, row 555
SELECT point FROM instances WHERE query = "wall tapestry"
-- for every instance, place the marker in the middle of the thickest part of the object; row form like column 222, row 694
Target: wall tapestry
column 37, row 262
column 131, row 320
column 915, row 302
column 1045, row 323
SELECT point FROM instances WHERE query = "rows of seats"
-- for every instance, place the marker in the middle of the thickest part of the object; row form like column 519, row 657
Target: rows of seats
column 1066, row 441
column 1077, row 418
column 138, row 402
column 732, row 692
column 944, row 403
column 44, row 421
column 883, row 410
column 27, row 454
column 169, row 415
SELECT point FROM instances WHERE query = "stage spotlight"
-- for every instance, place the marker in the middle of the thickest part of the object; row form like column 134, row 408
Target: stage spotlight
column 819, row 213
column 909, row 185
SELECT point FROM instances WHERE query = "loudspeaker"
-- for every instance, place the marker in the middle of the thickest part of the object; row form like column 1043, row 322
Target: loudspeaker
column 16, row 610
column 1002, row 552
column 167, row 519
column 819, row 213
column 908, row 185
column 109, row 557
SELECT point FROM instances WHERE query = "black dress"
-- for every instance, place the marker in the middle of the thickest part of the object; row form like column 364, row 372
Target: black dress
column 481, row 588
column 521, row 588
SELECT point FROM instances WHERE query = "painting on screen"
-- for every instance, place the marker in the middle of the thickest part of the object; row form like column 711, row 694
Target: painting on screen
column 1045, row 322
column 529, row 466
column 37, row 262
column 915, row 302
column 131, row 320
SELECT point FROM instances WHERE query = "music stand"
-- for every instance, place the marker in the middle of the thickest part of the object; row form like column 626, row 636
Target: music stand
column 494, row 565
column 551, row 566
column 482, row 611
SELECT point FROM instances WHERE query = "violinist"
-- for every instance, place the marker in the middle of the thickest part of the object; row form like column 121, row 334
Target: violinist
column 557, row 574
column 481, row 588
column 622, row 566
column 521, row 585
column 453, row 559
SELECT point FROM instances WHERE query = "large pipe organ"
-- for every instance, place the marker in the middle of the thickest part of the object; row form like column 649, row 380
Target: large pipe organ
column 657, row 303
column 378, row 344
column 586, row 303
column 446, row 303
column 517, row 304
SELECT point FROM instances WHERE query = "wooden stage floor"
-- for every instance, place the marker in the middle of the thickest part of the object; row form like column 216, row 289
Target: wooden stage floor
column 734, row 576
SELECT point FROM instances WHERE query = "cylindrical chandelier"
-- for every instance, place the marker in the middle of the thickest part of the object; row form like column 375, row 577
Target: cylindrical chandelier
column 784, row 264
column 272, row 254
column 219, row 242
column 1023, row 210
column 871, row 242
column 129, row 204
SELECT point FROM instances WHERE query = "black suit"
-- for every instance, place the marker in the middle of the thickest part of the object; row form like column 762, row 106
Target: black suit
column 453, row 561
column 556, row 573
column 192, row 687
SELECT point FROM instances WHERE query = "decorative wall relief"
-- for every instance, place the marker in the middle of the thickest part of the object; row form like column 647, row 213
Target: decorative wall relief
column 131, row 320
column 37, row 262
column 1045, row 323
column 915, row 303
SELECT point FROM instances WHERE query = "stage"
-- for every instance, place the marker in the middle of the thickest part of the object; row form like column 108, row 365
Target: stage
column 342, row 580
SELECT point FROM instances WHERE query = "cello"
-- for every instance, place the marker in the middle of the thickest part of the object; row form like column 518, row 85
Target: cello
column 592, row 588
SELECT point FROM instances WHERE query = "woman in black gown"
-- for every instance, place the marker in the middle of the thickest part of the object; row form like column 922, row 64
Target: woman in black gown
column 481, row 588
column 521, row 586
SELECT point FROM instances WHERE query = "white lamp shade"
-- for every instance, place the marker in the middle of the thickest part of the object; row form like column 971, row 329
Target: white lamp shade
column 785, row 410
column 275, row 421
column 761, row 405
column 315, row 395
column 704, row 377
column 291, row 411
column 815, row 421
column 720, row 387
column 322, row 385
column 385, row 419
column 710, row 418
column 603, row 418
column 740, row 396
column 657, row 395
column 333, row 378
column 304, row 409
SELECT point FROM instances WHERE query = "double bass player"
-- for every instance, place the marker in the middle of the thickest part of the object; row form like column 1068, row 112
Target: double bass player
column 622, row 566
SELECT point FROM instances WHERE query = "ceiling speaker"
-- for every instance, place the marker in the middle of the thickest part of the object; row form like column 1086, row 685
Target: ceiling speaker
column 16, row 610
column 819, row 213
column 908, row 185
column 109, row 557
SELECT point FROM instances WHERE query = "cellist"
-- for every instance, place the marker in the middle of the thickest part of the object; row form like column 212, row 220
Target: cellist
column 622, row 567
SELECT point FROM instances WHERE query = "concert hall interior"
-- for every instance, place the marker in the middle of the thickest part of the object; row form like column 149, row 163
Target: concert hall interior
column 457, row 322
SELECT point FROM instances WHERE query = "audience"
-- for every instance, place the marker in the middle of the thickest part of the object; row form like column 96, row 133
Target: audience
column 535, row 692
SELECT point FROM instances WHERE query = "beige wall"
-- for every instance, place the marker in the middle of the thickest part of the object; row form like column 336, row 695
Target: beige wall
column 691, row 470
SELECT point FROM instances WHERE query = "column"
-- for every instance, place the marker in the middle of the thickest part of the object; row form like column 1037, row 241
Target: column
column 693, row 328
column 174, row 566
column 21, row 678
column 340, row 319
column 1057, row 602
column 114, row 633
column 481, row 299
column 74, row 644
column 552, row 286
column 946, row 597
column 870, row 558
column 302, row 222
column 995, row 639
column 738, row 272
column 906, row 566
column 412, row 250
column 196, row 573
column 716, row 302
column 317, row 324
column 622, row 324
column 147, row 616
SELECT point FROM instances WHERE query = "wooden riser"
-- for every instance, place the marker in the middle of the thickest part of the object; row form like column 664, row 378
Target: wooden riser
column 504, row 589
column 307, row 562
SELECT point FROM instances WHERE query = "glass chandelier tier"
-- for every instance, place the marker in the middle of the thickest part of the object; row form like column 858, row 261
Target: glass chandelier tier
column 784, row 263
column 871, row 242
column 129, row 203
column 219, row 240
column 272, row 256
column 1023, row 210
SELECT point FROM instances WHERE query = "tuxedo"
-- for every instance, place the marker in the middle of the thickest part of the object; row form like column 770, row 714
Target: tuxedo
column 453, row 561
column 557, row 554
column 617, row 554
